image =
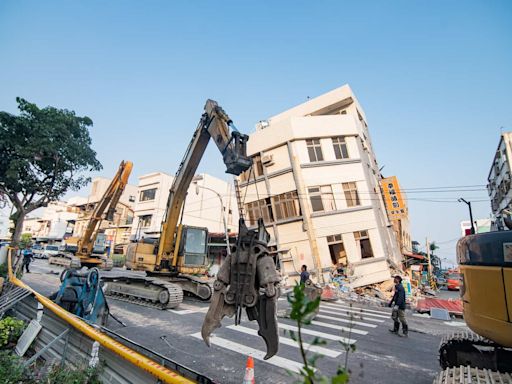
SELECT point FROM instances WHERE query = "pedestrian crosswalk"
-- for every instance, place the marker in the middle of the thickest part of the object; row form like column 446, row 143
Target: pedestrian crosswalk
column 337, row 322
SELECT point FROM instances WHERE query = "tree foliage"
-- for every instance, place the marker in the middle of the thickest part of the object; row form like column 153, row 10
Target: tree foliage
column 26, row 239
column 45, row 152
column 303, row 310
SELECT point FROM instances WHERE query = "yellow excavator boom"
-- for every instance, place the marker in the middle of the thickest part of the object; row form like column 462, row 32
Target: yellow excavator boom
column 107, row 203
column 215, row 124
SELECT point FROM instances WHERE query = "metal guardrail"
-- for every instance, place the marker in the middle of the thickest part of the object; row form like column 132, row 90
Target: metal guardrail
column 109, row 345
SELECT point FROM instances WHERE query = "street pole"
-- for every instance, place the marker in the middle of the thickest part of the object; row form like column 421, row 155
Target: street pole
column 223, row 212
column 470, row 214
column 429, row 270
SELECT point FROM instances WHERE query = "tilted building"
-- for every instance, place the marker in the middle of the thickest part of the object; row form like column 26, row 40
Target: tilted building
column 315, row 182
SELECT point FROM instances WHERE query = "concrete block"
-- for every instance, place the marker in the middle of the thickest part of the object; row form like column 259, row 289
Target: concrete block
column 439, row 314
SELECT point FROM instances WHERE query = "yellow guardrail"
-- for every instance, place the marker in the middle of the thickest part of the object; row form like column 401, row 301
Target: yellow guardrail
column 157, row 370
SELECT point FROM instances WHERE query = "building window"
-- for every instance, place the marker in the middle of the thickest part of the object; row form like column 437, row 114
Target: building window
column 257, row 165
column 147, row 195
column 145, row 221
column 131, row 199
column 314, row 150
column 351, row 195
column 259, row 209
column 337, row 250
column 286, row 205
column 255, row 171
column 322, row 198
column 340, row 147
column 363, row 243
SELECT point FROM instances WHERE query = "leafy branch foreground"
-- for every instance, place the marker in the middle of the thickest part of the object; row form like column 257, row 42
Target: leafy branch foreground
column 12, row 371
column 303, row 310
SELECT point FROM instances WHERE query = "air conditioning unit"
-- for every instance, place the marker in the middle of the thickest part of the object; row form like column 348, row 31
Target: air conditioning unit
column 267, row 160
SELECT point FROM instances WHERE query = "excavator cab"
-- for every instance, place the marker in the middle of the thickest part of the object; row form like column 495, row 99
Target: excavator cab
column 193, row 250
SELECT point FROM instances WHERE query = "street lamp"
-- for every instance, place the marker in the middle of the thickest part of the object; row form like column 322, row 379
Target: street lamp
column 223, row 210
column 461, row 200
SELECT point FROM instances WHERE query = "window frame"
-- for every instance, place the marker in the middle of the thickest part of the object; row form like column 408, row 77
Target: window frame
column 351, row 194
column 359, row 236
column 144, row 191
column 326, row 198
column 143, row 218
column 286, row 205
column 337, row 240
column 314, row 147
column 339, row 144
column 259, row 209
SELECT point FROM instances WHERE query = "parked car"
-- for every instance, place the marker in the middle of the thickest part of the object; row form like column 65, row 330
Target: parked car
column 453, row 281
column 442, row 282
column 50, row 250
column 37, row 251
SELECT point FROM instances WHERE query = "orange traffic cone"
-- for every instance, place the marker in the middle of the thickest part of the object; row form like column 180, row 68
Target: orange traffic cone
column 249, row 371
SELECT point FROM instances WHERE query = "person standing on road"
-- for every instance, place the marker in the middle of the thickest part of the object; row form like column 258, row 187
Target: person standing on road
column 28, row 256
column 398, row 304
column 304, row 274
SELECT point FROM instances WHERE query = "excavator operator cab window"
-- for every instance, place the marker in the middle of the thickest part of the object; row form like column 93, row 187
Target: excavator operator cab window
column 194, row 245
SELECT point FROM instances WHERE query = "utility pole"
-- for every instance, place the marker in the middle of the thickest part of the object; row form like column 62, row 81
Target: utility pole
column 429, row 270
column 470, row 214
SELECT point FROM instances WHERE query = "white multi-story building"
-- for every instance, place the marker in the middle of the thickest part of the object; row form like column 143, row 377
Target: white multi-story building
column 202, row 206
column 315, row 182
column 499, row 179
column 49, row 224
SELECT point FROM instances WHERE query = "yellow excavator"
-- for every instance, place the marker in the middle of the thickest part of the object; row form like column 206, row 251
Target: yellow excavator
column 178, row 260
column 89, row 249
column 484, row 355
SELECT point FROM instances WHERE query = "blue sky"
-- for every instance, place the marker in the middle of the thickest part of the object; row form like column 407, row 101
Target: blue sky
column 434, row 79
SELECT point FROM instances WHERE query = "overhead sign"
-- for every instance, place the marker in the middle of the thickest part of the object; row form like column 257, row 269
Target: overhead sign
column 395, row 204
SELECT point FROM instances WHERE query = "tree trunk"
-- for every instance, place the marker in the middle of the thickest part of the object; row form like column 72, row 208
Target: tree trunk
column 18, row 226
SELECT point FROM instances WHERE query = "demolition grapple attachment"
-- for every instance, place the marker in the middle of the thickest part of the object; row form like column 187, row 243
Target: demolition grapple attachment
column 247, row 279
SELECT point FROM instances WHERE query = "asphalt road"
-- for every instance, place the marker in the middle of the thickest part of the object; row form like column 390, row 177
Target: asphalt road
column 380, row 357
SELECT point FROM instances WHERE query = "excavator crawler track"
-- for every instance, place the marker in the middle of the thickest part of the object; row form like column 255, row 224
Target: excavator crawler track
column 145, row 291
column 196, row 287
column 471, row 375
column 467, row 348
column 65, row 260
column 68, row 260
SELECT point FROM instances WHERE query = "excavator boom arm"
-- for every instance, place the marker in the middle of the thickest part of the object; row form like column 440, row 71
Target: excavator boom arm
column 107, row 203
column 216, row 124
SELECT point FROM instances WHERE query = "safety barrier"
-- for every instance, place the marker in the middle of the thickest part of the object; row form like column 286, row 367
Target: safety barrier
column 127, row 354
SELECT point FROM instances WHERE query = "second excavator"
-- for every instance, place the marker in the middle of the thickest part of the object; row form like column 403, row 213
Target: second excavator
column 178, row 260
column 85, row 250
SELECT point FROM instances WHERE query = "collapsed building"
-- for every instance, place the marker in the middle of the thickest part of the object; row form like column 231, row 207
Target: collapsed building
column 316, row 184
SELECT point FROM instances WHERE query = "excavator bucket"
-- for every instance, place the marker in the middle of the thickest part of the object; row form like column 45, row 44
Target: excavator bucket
column 247, row 279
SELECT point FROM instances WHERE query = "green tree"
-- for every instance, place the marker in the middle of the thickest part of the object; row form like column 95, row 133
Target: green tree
column 26, row 238
column 45, row 152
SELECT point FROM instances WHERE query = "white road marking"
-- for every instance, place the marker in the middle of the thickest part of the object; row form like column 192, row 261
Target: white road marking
column 455, row 323
column 352, row 310
column 340, row 328
column 345, row 305
column 278, row 361
column 188, row 311
column 323, row 335
column 290, row 342
column 348, row 321
column 344, row 313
